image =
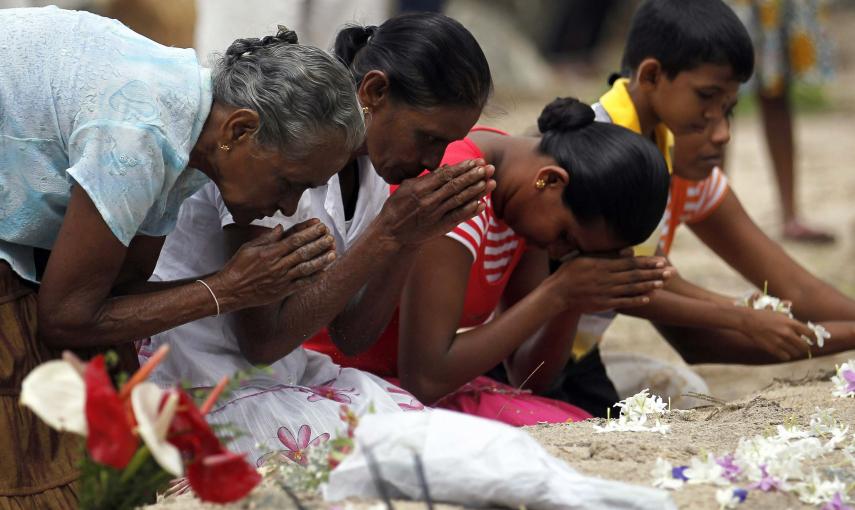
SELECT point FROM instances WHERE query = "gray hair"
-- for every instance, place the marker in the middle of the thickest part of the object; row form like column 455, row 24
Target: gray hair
column 302, row 94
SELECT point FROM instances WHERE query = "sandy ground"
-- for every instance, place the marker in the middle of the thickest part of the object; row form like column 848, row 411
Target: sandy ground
column 630, row 456
column 826, row 150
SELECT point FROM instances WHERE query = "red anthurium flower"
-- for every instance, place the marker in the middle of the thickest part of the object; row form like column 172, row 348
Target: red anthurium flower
column 111, row 440
column 222, row 477
column 189, row 432
column 215, row 474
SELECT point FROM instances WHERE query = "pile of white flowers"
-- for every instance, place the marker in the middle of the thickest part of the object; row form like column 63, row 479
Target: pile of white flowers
column 777, row 461
column 635, row 413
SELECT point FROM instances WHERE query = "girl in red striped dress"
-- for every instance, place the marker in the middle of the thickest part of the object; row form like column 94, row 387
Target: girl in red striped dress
column 483, row 295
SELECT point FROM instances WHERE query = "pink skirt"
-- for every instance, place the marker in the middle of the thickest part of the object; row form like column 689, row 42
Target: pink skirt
column 491, row 399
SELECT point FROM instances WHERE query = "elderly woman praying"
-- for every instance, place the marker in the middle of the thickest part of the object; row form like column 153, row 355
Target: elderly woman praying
column 103, row 134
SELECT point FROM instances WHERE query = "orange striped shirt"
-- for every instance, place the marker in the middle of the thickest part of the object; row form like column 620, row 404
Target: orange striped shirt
column 690, row 202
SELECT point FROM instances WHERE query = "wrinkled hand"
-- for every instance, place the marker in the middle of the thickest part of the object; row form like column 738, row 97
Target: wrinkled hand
column 776, row 333
column 431, row 205
column 271, row 267
column 588, row 284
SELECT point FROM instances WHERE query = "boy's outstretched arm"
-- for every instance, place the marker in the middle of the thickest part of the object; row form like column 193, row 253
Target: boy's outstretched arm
column 731, row 234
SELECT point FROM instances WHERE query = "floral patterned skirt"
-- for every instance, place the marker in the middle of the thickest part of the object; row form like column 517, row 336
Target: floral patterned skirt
column 790, row 40
column 286, row 420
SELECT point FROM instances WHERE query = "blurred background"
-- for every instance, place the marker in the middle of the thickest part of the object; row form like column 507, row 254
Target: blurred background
column 540, row 49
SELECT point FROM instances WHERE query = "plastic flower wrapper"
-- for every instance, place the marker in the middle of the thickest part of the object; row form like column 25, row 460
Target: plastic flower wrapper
column 816, row 491
column 474, row 462
column 844, row 380
column 634, row 413
column 706, row 470
column 666, row 476
column 130, row 452
column 730, row 497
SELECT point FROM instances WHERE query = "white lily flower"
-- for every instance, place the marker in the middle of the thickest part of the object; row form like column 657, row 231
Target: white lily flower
column 56, row 393
column 663, row 475
column 634, row 412
column 767, row 302
column 705, row 471
column 789, row 433
column 153, row 424
column 727, row 498
column 816, row 491
column 819, row 332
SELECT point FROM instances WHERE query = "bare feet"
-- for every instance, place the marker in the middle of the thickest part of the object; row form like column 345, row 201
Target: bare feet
column 795, row 230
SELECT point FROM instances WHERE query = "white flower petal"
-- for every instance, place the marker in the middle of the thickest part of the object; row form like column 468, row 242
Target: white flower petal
column 56, row 393
column 153, row 424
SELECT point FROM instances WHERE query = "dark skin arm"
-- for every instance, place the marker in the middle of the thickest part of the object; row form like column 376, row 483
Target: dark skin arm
column 76, row 306
column 434, row 359
column 357, row 295
column 552, row 344
column 734, row 237
column 710, row 330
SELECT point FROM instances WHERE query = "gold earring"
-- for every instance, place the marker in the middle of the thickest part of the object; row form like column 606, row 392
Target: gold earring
column 365, row 111
column 224, row 147
column 540, row 184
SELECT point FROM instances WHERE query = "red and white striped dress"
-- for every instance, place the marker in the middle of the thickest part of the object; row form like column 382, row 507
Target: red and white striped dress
column 496, row 251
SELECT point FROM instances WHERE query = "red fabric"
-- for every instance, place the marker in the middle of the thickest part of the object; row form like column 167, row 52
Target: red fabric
column 482, row 297
column 491, row 399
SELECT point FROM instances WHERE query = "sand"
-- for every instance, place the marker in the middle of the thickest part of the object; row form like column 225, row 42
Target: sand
column 630, row 456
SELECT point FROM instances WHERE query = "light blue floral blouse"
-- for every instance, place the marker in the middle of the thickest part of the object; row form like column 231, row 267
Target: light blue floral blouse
column 85, row 100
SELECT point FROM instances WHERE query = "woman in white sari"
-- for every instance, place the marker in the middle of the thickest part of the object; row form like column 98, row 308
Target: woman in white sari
column 415, row 103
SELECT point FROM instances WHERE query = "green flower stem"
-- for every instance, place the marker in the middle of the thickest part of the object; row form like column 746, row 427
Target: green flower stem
column 138, row 460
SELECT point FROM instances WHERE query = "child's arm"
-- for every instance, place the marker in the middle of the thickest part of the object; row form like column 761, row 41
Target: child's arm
column 699, row 323
column 434, row 360
column 731, row 234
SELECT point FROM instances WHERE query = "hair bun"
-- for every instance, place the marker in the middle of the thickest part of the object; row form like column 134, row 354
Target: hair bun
column 286, row 35
column 565, row 114
column 247, row 45
column 350, row 40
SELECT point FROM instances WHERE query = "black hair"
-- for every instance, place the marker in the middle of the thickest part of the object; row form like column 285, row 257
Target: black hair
column 615, row 174
column 429, row 59
column 240, row 47
column 684, row 34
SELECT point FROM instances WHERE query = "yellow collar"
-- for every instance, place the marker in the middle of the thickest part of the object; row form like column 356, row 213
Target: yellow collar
column 618, row 103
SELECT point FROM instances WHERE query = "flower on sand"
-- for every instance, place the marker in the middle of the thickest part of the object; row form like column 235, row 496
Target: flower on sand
column 634, row 413
column 767, row 482
column 731, row 470
column 706, row 471
column 844, row 380
column 816, row 491
column 837, row 503
column 730, row 497
column 666, row 476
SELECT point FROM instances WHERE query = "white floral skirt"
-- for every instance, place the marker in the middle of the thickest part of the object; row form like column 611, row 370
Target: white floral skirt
column 286, row 420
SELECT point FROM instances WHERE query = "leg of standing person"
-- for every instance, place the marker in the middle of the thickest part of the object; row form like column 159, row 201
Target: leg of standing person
column 776, row 111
